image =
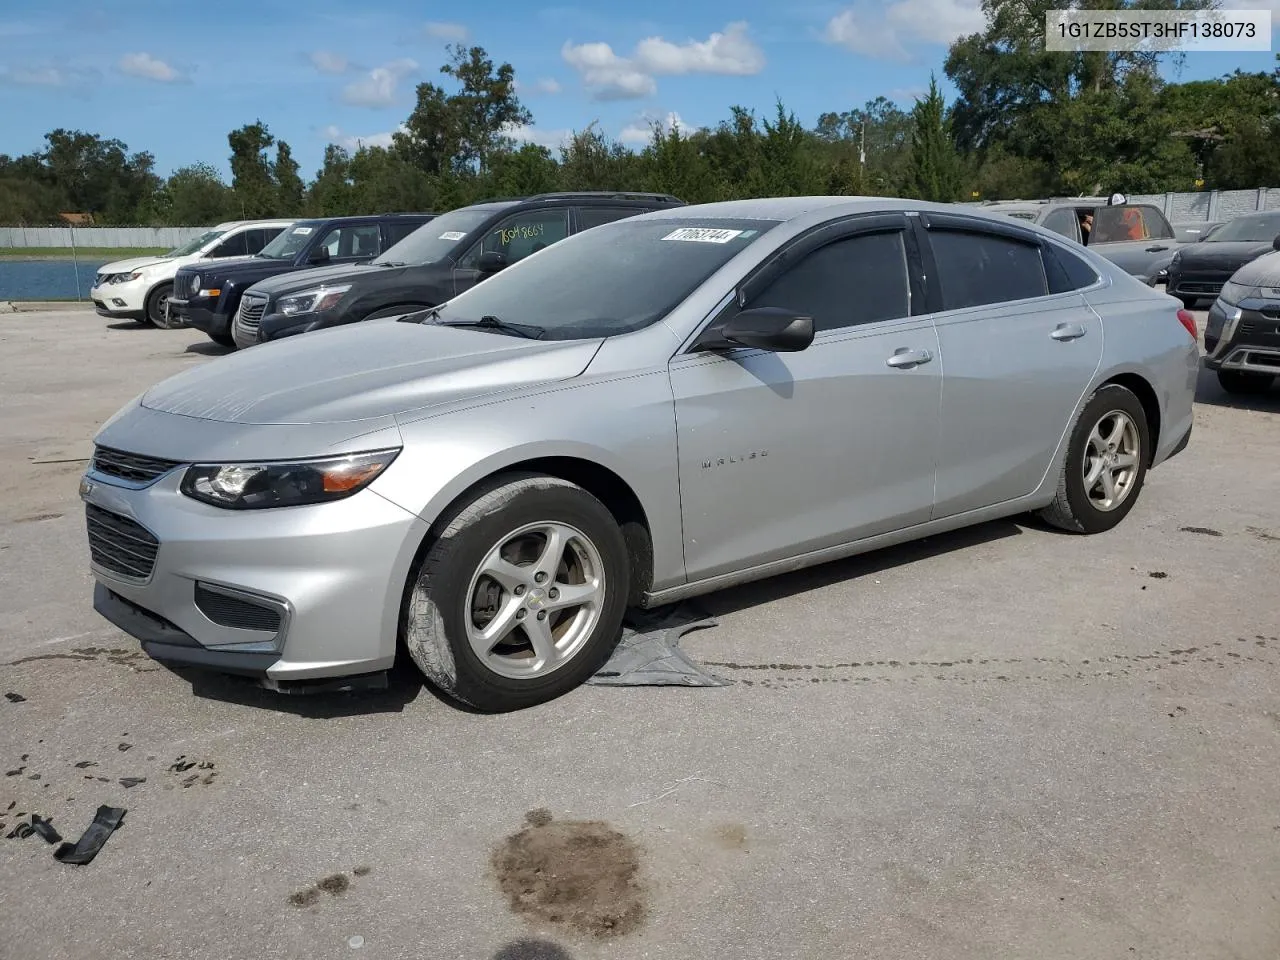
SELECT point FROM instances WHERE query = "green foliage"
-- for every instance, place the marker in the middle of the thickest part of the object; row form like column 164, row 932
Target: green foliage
column 934, row 172
column 1025, row 123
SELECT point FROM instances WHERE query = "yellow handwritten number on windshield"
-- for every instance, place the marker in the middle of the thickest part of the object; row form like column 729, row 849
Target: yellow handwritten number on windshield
column 524, row 232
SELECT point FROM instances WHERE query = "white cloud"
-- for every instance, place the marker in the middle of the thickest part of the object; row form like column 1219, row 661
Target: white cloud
column 148, row 67
column 438, row 30
column 639, row 133
column 612, row 77
column 353, row 142
column 883, row 32
column 546, row 85
column 326, row 61
column 378, row 89
column 35, row 76
column 551, row 139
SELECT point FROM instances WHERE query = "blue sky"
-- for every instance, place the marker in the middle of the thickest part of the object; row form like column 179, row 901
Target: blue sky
column 174, row 79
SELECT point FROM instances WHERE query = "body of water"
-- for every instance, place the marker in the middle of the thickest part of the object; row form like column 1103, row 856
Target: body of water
column 46, row 279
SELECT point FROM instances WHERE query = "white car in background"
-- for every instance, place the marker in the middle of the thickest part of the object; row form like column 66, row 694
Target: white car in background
column 139, row 289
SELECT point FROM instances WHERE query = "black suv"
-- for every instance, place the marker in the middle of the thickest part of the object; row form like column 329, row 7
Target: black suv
column 1242, row 332
column 205, row 296
column 457, row 251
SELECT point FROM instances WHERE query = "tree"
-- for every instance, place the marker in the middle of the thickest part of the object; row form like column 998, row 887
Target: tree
column 462, row 132
column 591, row 161
column 251, row 176
column 529, row 170
column 330, row 194
column 196, row 195
column 935, row 165
column 289, row 186
column 97, row 176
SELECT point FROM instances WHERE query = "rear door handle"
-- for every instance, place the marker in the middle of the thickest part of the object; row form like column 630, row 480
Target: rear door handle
column 1068, row 331
column 1156, row 249
column 904, row 357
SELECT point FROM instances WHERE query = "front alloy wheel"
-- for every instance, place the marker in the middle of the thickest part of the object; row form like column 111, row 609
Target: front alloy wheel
column 520, row 597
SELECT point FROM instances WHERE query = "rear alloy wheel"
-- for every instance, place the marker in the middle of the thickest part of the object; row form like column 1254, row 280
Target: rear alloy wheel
column 157, row 308
column 1106, row 463
column 1245, row 384
column 521, row 598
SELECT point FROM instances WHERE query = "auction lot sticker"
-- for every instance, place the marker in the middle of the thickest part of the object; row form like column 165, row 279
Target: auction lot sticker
column 703, row 235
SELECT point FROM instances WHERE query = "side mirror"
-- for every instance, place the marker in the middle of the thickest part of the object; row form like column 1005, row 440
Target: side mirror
column 491, row 261
column 319, row 255
column 776, row 329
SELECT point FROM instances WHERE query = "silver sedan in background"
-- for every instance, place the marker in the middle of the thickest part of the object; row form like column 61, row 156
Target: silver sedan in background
column 656, row 408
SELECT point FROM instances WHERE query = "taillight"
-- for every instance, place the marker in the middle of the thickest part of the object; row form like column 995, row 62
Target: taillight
column 1188, row 321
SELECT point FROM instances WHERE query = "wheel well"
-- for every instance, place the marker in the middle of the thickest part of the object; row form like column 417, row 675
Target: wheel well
column 1150, row 405
column 603, row 484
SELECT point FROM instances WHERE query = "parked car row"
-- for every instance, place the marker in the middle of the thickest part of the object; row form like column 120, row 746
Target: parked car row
column 682, row 399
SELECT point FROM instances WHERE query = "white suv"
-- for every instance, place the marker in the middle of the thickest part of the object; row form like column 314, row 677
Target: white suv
column 139, row 289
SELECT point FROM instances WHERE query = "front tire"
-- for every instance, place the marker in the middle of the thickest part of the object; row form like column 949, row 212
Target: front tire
column 223, row 339
column 521, row 597
column 1245, row 384
column 1106, row 463
column 157, row 308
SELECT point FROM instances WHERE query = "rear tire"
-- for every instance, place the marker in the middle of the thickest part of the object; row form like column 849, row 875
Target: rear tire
column 1106, row 463
column 498, row 621
column 157, row 308
column 1245, row 384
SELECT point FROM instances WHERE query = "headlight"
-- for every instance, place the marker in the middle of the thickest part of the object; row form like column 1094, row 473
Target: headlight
column 1176, row 258
column 1232, row 293
column 290, row 483
column 309, row 301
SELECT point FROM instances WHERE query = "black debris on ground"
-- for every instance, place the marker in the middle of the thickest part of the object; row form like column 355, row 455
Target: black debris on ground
column 105, row 822
column 128, row 782
column 15, row 698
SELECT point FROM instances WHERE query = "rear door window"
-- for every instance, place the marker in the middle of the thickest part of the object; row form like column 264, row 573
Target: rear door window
column 352, row 241
column 975, row 269
column 1129, row 222
column 397, row 230
column 1064, row 222
column 235, row 245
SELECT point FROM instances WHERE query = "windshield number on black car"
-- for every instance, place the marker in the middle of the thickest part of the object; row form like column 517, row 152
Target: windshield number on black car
column 525, row 231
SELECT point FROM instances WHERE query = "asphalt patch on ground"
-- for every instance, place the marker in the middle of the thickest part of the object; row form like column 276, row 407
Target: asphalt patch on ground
column 579, row 874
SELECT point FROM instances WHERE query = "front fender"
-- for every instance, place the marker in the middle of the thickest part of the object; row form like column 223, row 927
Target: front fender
column 626, row 426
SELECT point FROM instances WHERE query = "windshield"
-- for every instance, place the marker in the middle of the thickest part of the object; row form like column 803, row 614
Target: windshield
column 608, row 280
column 1247, row 229
column 194, row 244
column 288, row 243
column 436, row 239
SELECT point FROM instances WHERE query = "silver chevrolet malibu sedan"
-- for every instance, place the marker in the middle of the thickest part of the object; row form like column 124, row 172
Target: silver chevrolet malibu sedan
column 656, row 408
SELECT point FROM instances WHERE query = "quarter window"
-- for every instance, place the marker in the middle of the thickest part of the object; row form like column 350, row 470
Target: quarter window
column 859, row 279
column 1065, row 271
column 525, row 233
column 589, row 217
column 975, row 269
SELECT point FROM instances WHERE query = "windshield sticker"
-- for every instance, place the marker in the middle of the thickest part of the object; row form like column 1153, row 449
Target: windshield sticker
column 301, row 231
column 453, row 235
column 521, row 231
column 702, row 235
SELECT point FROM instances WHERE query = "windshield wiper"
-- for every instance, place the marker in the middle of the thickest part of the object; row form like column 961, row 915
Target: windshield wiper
column 389, row 263
column 490, row 322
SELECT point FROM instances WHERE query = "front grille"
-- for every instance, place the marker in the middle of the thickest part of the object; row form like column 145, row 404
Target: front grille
column 130, row 466
column 251, row 311
column 228, row 611
column 120, row 545
column 1196, row 286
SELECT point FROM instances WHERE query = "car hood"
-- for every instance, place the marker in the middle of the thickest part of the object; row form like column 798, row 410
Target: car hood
column 364, row 372
column 314, row 277
column 1223, row 253
column 1262, row 271
column 137, row 263
column 241, row 268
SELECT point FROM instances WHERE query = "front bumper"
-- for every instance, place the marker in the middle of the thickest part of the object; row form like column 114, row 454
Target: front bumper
column 120, row 300
column 293, row 593
column 1199, row 284
column 1244, row 339
column 201, row 314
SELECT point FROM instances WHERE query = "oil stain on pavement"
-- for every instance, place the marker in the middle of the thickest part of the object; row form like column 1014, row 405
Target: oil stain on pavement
column 580, row 874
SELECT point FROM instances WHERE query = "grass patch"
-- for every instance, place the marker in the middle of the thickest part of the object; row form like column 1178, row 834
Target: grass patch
column 82, row 253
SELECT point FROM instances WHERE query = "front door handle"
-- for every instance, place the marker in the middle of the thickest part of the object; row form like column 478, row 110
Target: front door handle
column 1068, row 331
column 905, row 358
column 1156, row 249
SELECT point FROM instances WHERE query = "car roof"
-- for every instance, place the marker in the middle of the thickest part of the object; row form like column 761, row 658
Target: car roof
column 782, row 209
